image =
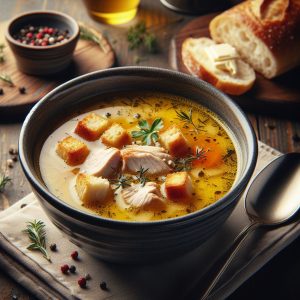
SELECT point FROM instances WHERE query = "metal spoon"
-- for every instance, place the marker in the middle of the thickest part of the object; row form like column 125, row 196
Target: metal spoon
column 272, row 199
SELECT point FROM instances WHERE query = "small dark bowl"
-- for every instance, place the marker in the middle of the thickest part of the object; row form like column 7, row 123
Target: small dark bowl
column 43, row 60
column 125, row 241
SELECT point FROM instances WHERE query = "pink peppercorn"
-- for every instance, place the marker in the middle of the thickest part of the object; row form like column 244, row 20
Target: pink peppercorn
column 64, row 269
column 29, row 35
column 74, row 255
column 50, row 30
column 82, row 282
column 39, row 35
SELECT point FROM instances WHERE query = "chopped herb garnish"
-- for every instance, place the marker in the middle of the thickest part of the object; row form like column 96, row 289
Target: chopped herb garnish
column 148, row 134
column 4, row 180
column 141, row 176
column 7, row 79
column 37, row 235
column 187, row 118
column 121, row 182
column 139, row 35
column 185, row 163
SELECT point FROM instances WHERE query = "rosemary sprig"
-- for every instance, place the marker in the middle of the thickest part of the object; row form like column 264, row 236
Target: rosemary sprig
column 7, row 79
column 121, row 182
column 141, row 176
column 37, row 235
column 148, row 134
column 187, row 118
column 185, row 163
column 139, row 35
column 4, row 180
column 2, row 59
column 92, row 35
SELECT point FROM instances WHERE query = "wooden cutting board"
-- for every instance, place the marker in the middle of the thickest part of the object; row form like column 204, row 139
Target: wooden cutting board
column 88, row 57
column 281, row 95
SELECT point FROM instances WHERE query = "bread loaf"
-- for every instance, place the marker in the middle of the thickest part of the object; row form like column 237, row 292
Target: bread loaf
column 266, row 33
column 195, row 58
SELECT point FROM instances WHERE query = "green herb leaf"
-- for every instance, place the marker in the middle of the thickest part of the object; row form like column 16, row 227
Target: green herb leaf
column 141, row 176
column 92, row 35
column 7, row 79
column 187, row 118
column 4, row 180
column 185, row 163
column 147, row 133
column 37, row 235
column 121, row 182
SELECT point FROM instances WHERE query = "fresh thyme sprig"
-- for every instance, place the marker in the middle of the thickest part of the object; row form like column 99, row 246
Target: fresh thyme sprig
column 37, row 235
column 92, row 35
column 7, row 79
column 185, row 163
column 141, row 176
column 4, row 180
column 187, row 118
column 121, row 182
column 139, row 35
column 148, row 134
column 2, row 58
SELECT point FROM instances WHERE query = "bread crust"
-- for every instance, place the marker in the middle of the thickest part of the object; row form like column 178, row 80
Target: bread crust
column 276, row 23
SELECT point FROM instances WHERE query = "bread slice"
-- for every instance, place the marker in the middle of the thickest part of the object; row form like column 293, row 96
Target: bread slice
column 265, row 33
column 198, row 63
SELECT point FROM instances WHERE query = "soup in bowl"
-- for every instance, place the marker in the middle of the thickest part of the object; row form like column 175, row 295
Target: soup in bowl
column 137, row 164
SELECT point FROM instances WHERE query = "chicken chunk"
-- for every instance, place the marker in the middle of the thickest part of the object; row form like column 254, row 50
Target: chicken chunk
column 147, row 197
column 91, row 127
column 103, row 162
column 175, row 142
column 115, row 136
column 72, row 151
column 155, row 159
column 92, row 190
column 179, row 187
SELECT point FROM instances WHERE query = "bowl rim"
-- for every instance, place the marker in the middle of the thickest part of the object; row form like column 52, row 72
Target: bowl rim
column 97, row 220
column 73, row 37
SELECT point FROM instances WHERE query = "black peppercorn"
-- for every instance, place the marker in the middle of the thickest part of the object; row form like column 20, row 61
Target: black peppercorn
column 23, row 205
column 72, row 269
column 108, row 115
column 1, row 91
column 22, row 90
column 103, row 286
column 53, row 247
column 87, row 276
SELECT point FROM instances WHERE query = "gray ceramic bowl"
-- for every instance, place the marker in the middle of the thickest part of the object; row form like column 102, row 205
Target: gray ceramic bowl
column 122, row 241
column 43, row 60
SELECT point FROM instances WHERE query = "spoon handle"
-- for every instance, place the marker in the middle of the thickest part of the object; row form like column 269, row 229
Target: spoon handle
column 232, row 251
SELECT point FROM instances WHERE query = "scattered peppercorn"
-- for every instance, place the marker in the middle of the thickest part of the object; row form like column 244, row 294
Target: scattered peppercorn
column 64, row 269
column 10, row 163
column 108, row 115
column 74, row 255
column 1, row 91
column 87, row 276
column 23, row 205
column 53, row 247
column 15, row 158
column 103, row 286
column 22, row 90
column 72, row 269
column 13, row 150
column 82, row 282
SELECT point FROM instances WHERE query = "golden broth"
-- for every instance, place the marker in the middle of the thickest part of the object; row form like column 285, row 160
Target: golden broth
column 210, row 182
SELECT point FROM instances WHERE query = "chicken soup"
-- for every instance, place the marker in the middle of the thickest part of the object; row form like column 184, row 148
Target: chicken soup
column 140, row 156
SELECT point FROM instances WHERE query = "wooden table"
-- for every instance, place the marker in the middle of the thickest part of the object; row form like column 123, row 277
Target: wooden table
column 279, row 279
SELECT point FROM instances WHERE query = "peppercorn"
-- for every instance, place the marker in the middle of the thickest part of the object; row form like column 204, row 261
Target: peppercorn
column 22, row 90
column 64, row 269
column 53, row 247
column 74, row 255
column 1, row 91
column 23, row 205
column 13, row 150
column 103, row 286
column 108, row 115
column 72, row 269
column 10, row 163
column 15, row 158
column 82, row 282
column 87, row 276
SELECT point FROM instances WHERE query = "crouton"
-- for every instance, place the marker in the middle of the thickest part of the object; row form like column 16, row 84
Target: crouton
column 179, row 187
column 72, row 151
column 91, row 127
column 175, row 142
column 115, row 136
column 92, row 190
